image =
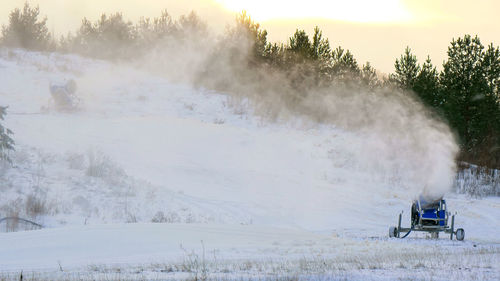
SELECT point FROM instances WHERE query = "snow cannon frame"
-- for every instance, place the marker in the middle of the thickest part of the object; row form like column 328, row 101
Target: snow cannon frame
column 430, row 217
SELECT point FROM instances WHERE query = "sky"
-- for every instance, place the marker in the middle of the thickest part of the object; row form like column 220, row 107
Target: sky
column 377, row 31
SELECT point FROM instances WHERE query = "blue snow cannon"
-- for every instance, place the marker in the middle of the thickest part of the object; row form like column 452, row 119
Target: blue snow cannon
column 428, row 216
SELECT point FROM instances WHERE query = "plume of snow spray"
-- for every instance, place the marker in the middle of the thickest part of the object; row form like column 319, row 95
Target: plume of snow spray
column 398, row 141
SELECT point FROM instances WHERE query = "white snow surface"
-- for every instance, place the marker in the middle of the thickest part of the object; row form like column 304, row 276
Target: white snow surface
column 112, row 244
column 212, row 173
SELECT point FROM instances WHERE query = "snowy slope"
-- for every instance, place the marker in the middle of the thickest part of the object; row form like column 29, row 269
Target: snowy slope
column 181, row 139
column 176, row 154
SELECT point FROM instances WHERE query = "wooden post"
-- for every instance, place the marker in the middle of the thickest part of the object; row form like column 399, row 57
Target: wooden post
column 399, row 225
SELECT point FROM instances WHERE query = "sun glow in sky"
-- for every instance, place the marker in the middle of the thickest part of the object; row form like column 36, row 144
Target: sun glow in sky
column 363, row 11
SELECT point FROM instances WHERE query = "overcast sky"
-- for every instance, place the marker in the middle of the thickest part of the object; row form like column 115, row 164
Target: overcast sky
column 375, row 31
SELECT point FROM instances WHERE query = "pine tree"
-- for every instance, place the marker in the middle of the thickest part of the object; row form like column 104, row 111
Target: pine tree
column 26, row 30
column 6, row 142
column 426, row 85
column 491, row 67
column 253, row 34
column 489, row 108
column 369, row 76
column 406, row 70
column 163, row 25
column 464, row 87
column 320, row 48
column 344, row 65
column 321, row 55
column 192, row 25
column 470, row 85
column 111, row 36
column 300, row 45
column 150, row 32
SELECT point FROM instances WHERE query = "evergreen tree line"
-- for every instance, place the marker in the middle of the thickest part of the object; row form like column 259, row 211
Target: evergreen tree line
column 109, row 37
column 465, row 94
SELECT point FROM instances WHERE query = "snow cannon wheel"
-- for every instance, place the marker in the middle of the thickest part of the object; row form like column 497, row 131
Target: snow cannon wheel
column 460, row 234
column 393, row 232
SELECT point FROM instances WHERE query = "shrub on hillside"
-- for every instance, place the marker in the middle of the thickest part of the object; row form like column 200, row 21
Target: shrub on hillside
column 35, row 206
column 101, row 166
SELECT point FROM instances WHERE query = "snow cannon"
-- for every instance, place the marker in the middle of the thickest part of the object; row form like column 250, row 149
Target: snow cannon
column 64, row 96
column 428, row 216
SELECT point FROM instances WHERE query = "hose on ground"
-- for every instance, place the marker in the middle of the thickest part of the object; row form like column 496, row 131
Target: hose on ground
column 408, row 233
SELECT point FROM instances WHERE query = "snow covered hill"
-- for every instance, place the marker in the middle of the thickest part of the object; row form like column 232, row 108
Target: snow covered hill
column 146, row 150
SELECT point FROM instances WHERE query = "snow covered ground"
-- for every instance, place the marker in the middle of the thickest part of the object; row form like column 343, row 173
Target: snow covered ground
column 156, row 180
column 173, row 251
